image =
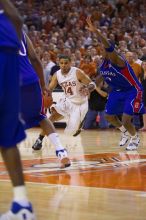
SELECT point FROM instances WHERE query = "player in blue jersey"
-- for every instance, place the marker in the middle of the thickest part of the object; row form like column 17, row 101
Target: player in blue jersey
column 32, row 87
column 126, row 95
column 11, row 128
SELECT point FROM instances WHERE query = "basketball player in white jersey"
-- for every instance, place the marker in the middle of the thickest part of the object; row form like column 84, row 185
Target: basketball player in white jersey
column 73, row 104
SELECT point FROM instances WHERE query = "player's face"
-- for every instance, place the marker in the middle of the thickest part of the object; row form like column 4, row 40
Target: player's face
column 65, row 65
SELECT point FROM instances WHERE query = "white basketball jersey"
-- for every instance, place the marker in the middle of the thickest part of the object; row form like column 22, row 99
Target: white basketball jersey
column 71, row 86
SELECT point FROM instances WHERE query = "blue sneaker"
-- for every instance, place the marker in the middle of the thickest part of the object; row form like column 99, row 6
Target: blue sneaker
column 19, row 212
column 63, row 157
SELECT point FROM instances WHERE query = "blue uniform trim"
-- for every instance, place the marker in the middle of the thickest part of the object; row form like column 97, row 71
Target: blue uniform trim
column 16, row 207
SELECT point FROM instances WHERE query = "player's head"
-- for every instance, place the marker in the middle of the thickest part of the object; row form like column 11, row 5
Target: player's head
column 130, row 57
column 64, row 63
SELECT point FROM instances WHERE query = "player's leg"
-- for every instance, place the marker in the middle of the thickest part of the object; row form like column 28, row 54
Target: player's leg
column 114, row 107
column 83, row 109
column 134, row 138
column 43, row 124
column 53, row 136
column 20, row 205
column 50, row 132
column 76, row 117
column 132, row 105
column 61, row 152
column 47, row 128
column 12, row 132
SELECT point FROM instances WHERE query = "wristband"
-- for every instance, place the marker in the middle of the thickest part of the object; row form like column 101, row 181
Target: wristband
column 110, row 49
column 91, row 86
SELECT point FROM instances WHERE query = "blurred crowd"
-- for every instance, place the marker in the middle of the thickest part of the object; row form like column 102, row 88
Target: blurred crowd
column 59, row 26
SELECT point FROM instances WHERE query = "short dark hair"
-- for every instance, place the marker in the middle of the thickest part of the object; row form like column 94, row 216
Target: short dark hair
column 63, row 56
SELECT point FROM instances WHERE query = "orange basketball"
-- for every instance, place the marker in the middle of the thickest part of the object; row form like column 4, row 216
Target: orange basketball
column 47, row 100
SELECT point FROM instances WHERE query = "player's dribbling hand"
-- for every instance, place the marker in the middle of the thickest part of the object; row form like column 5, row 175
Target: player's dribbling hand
column 47, row 100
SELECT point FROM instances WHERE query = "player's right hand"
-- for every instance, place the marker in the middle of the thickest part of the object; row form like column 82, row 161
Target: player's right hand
column 84, row 91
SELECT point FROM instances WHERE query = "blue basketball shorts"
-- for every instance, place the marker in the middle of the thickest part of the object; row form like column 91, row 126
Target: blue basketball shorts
column 11, row 128
column 128, row 102
column 31, row 105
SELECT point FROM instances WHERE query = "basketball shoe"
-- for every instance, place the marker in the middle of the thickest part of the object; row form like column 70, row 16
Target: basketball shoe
column 133, row 144
column 19, row 212
column 124, row 138
column 37, row 145
column 63, row 157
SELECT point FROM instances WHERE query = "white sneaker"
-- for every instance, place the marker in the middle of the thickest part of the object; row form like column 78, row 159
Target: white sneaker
column 19, row 212
column 133, row 144
column 124, row 138
column 63, row 157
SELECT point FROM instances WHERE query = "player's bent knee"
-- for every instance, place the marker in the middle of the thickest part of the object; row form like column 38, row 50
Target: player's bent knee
column 110, row 118
column 126, row 122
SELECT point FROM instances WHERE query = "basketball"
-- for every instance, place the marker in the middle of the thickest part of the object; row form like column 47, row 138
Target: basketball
column 47, row 100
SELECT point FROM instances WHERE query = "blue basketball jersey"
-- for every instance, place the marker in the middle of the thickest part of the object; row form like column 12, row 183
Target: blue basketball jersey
column 27, row 72
column 8, row 36
column 126, row 94
column 119, row 78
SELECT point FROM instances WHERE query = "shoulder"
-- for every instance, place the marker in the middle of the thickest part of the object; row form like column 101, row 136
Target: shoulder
column 79, row 71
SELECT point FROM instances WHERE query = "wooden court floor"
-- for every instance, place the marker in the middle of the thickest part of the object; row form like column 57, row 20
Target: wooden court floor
column 104, row 182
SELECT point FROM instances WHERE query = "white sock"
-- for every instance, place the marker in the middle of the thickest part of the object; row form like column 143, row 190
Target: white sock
column 122, row 129
column 20, row 195
column 55, row 140
column 134, row 136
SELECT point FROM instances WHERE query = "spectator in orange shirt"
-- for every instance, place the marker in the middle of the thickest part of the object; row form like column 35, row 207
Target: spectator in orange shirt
column 88, row 66
column 135, row 66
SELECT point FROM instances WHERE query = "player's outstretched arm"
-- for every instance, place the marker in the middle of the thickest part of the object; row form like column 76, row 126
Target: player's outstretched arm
column 89, row 85
column 109, row 48
column 13, row 15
